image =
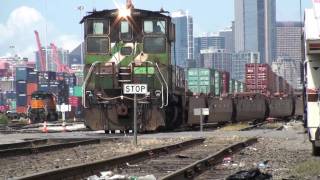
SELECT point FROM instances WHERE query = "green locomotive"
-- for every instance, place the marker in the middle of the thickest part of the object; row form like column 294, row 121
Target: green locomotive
column 131, row 46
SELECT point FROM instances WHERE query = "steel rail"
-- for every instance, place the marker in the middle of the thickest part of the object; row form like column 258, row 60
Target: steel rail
column 82, row 171
column 45, row 148
column 199, row 167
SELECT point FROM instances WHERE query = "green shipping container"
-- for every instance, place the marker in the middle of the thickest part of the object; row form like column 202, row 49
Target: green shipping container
column 242, row 85
column 13, row 105
column 217, row 83
column 77, row 91
column 200, row 80
column 236, row 86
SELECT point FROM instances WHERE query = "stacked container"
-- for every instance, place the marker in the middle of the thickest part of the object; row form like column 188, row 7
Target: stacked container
column 217, row 83
column 21, row 89
column 225, row 82
column 200, row 80
column 259, row 78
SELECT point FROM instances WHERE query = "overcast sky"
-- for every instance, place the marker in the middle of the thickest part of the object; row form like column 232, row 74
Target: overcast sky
column 19, row 18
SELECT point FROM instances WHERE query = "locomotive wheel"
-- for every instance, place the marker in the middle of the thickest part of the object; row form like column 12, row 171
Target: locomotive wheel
column 315, row 149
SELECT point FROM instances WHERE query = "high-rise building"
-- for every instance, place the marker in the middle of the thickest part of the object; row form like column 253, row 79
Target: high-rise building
column 289, row 52
column 183, row 47
column 228, row 38
column 289, row 40
column 239, row 61
column 290, row 70
column 206, row 41
column 255, row 28
column 51, row 64
column 218, row 59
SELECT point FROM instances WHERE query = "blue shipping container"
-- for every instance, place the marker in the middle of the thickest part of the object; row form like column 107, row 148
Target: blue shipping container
column 21, row 87
column 22, row 73
column 10, row 95
column 54, row 88
column 43, row 87
column 32, row 77
column 21, row 99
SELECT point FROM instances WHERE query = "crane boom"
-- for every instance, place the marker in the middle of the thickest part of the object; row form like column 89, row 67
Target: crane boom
column 41, row 54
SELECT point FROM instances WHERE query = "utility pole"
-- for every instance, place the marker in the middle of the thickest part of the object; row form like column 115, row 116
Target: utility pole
column 81, row 8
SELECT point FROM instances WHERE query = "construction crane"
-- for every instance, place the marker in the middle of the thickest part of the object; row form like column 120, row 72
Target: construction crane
column 60, row 66
column 41, row 53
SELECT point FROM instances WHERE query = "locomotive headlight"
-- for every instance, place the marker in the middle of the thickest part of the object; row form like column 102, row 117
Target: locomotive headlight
column 157, row 93
column 124, row 12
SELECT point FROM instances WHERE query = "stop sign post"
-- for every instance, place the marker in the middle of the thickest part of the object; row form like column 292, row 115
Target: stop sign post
column 135, row 89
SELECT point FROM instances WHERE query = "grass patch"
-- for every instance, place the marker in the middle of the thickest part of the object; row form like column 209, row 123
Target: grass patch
column 235, row 127
column 308, row 168
column 4, row 119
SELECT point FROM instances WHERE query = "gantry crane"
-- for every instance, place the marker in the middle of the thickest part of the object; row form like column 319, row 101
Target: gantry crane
column 41, row 53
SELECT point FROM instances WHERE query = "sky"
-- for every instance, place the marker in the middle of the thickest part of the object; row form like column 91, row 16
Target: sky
column 59, row 19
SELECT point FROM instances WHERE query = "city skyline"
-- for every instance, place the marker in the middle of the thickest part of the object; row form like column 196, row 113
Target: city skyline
column 64, row 30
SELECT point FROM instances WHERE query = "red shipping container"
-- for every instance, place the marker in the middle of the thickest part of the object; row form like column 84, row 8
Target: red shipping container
column 31, row 87
column 4, row 65
column 75, row 101
column 225, row 82
column 21, row 109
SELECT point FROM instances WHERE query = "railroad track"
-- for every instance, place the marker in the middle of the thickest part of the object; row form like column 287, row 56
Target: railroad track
column 42, row 145
column 184, row 160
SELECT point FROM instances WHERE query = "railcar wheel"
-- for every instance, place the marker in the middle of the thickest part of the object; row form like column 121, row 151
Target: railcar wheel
column 315, row 149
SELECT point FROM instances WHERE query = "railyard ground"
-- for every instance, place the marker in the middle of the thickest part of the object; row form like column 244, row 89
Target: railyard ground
column 286, row 152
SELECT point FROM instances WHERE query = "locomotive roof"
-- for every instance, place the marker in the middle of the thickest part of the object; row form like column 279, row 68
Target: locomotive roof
column 134, row 12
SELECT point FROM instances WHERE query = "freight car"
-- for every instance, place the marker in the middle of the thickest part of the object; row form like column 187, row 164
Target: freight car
column 129, row 45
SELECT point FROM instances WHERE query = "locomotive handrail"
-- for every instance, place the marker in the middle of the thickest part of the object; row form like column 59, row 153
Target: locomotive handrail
column 85, row 83
column 165, row 84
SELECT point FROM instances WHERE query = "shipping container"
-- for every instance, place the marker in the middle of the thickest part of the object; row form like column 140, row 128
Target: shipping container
column 75, row 101
column 2, row 99
column 22, row 73
column 259, row 78
column 77, row 91
column 12, row 105
column 10, row 95
column 217, row 83
column 21, row 109
column 46, row 77
column 21, row 99
column 31, row 88
column 4, row 65
column 21, row 86
column 71, row 91
column 43, row 87
column 225, row 82
column 32, row 77
column 200, row 80
column 60, row 76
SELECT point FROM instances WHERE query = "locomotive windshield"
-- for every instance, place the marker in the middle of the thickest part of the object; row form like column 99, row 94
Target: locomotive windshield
column 97, row 27
column 154, row 40
column 154, row 44
column 97, row 36
column 154, row 26
column 125, row 31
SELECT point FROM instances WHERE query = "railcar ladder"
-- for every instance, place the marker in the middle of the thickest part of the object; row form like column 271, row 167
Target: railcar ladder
column 124, row 75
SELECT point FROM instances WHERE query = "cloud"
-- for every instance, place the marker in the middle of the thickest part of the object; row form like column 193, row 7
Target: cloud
column 18, row 31
column 68, row 42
